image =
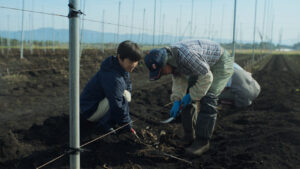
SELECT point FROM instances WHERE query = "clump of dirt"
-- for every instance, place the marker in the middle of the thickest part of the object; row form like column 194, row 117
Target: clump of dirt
column 11, row 147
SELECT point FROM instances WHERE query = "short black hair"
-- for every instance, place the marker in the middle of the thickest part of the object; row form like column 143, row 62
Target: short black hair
column 130, row 50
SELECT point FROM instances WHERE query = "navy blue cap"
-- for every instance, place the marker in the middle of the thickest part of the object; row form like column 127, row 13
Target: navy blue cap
column 156, row 57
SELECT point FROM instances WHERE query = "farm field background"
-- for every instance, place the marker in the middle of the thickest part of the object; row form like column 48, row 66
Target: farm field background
column 34, row 117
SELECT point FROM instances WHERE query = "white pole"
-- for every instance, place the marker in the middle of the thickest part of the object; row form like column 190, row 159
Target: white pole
column 154, row 23
column 163, row 29
column 53, row 35
column 271, row 15
column 210, row 14
column 221, row 33
column 22, row 34
column 74, row 54
column 82, row 28
column 254, row 31
column 132, row 19
column 280, row 38
column 263, row 29
column 271, row 44
column 268, row 22
column 32, row 32
column 264, row 19
column 176, row 30
column 192, row 13
column 118, row 29
column 159, row 24
column 241, row 35
column 44, row 34
column 31, row 38
column 144, row 13
column 8, row 36
column 233, row 37
column 179, row 22
column 2, row 44
column 103, row 13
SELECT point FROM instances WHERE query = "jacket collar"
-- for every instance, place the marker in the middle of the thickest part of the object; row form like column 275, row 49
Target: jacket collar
column 117, row 65
column 172, row 57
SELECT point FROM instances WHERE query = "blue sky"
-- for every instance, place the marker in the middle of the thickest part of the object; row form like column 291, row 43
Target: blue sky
column 176, row 14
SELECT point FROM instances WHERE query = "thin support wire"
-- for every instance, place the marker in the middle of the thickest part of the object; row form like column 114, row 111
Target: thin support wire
column 89, row 142
column 85, row 19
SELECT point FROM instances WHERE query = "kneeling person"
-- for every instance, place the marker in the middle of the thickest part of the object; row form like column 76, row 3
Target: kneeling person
column 106, row 96
column 241, row 89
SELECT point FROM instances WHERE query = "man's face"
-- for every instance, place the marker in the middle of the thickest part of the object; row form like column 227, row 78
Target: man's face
column 127, row 64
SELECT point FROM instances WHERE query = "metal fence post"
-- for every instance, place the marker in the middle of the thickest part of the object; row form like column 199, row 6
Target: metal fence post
column 74, row 53
column 233, row 36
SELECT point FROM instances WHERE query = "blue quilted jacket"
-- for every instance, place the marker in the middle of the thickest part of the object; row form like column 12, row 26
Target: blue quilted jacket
column 110, row 82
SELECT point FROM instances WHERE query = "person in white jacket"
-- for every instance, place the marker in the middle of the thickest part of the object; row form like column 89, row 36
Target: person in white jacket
column 241, row 89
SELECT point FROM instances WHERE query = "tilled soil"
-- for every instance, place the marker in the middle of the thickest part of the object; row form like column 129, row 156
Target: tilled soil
column 34, row 120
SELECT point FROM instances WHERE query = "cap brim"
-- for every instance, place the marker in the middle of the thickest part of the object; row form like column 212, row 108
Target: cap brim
column 155, row 75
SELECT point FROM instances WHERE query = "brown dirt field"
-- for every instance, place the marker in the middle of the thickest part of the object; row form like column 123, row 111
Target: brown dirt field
column 34, row 119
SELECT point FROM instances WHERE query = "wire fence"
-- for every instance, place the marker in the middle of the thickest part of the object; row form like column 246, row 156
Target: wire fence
column 52, row 41
column 160, row 34
column 83, row 19
column 53, row 44
column 186, row 23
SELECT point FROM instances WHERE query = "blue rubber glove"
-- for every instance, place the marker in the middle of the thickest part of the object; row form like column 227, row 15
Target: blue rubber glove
column 175, row 109
column 186, row 100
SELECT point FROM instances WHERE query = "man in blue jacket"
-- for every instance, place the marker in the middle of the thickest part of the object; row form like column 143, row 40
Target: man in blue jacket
column 105, row 97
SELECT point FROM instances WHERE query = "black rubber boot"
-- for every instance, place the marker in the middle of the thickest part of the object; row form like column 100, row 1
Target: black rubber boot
column 198, row 147
column 188, row 120
column 204, row 125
